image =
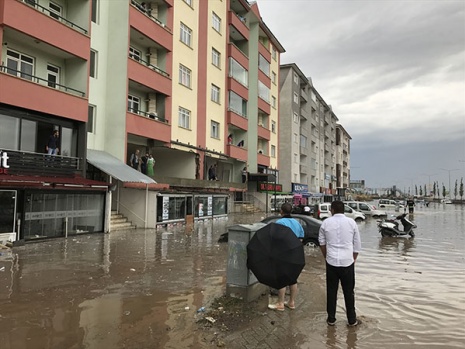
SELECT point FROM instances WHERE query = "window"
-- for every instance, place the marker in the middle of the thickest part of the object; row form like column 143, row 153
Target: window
column 135, row 53
column 273, row 101
column 273, row 126
column 237, row 104
column 95, row 6
column 263, row 92
column 216, row 58
column 55, row 10
column 184, row 117
column 215, row 130
column 133, row 104
column 238, row 72
column 215, row 94
column 263, row 65
column 53, row 76
column 273, row 77
column 186, row 34
column 216, row 22
column 296, row 117
column 19, row 64
column 184, row 76
column 296, row 98
column 273, row 53
column 273, row 151
column 93, row 64
column 303, row 141
column 296, row 78
column 90, row 118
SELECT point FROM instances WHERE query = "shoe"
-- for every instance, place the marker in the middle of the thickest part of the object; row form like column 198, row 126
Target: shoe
column 353, row 324
column 275, row 307
column 286, row 304
column 331, row 323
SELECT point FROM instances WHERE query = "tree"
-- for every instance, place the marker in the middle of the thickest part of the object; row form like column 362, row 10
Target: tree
column 443, row 191
column 455, row 190
column 416, row 190
column 434, row 190
column 421, row 191
column 426, row 193
column 461, row 189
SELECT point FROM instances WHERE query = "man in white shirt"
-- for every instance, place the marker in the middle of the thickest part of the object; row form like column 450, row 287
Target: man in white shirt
column 340, row 244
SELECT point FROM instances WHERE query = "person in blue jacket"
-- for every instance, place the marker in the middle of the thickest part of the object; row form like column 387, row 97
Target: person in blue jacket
column 297, row 229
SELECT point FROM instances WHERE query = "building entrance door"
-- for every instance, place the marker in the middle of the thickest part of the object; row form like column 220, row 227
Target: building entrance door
column 7, row 211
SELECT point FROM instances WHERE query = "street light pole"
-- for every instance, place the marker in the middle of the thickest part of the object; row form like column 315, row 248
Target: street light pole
column 429, row 180
column 455, row 169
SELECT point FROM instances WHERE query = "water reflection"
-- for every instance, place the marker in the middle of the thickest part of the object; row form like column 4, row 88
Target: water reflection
column 397, row 244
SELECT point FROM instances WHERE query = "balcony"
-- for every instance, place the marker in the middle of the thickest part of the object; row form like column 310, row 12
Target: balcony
column 150, row 26
column 235, row 119
column 263, row 159
column 263, row 132
column 264, row 51
column 238, row 23
column 238, row 88
column 303, row 169
column 236, row 152
column 148, row 125
column 264, row 106
column 37, row 22
column 39, row 164
column 149, row 75
column 238, row 55
column 35, row 93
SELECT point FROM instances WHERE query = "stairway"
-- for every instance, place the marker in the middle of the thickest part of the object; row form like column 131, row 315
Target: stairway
column 120, row 222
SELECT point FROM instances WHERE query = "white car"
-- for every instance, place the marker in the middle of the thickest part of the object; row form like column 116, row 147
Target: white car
column 365, row 208
column 323, row 211
column 385, row 203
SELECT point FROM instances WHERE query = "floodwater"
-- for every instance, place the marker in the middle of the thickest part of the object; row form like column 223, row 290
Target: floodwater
column 143, row 288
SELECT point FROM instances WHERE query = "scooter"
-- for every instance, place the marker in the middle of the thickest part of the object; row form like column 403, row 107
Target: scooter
column 390, row 227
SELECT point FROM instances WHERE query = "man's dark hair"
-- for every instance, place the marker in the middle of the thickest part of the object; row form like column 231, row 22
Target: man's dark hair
column 286, row 208
column 337, row 206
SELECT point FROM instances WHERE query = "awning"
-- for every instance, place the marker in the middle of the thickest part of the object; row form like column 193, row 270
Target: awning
column 115, row 168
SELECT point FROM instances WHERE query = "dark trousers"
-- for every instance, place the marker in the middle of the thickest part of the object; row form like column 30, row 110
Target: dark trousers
column 345, row 275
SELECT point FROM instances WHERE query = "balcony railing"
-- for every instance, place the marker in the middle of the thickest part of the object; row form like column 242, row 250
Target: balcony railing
column 28, row 163
column 41, row 81
column 34, row 3
column 153, row 67
column 148, row 12
column 150, row 115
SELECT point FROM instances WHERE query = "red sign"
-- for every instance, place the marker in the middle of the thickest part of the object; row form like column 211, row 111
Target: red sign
column 270, row 187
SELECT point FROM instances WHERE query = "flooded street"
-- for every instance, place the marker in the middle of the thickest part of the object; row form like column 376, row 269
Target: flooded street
column 142, row 289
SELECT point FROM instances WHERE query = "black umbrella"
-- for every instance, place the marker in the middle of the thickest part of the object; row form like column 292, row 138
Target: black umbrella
column 275, row 256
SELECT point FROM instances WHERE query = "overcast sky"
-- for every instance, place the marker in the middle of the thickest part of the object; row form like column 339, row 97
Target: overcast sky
column 394, row 74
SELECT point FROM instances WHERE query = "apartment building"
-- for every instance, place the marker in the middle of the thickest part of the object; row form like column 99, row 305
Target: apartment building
column 194, row 83
column 310, row 160
column 45, row 50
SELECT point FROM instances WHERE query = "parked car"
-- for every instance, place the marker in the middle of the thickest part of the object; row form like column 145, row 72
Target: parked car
column 386, row 203
column 323, row 211
column 311, row 227
column 365, row 208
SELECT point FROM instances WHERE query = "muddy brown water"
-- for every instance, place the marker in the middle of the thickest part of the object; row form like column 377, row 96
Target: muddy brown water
column 143, row 289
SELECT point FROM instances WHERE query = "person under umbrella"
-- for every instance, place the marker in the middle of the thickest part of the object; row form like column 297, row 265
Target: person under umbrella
column 297, row 229
column 276, row 257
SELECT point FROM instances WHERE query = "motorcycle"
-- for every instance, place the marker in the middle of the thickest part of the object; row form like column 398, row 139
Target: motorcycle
column 390, row 227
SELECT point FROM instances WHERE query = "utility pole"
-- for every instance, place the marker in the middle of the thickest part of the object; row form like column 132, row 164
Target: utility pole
column 455, row 169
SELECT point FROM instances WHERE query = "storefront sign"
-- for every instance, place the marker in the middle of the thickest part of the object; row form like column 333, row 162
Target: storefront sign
column 210, row 206
column 269, row 187
column 299, row 188
column 4, row 162
column 165, row 208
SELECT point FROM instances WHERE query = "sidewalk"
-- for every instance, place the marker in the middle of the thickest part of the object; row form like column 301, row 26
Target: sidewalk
column 304, row 327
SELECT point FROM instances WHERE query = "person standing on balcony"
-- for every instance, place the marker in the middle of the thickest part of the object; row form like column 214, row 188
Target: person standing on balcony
column 143, row 164
column 53, row 145
column 150, row 164
column 135, row 160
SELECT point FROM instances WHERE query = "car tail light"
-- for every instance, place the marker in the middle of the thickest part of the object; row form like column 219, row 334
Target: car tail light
column 318, row 213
